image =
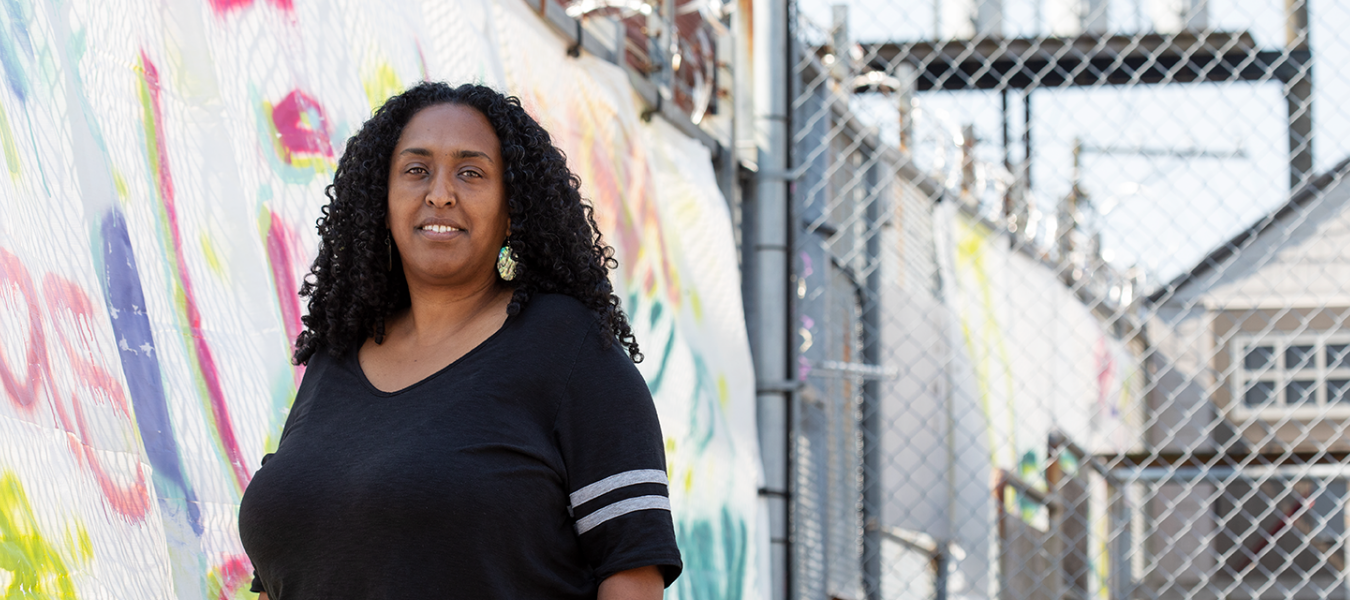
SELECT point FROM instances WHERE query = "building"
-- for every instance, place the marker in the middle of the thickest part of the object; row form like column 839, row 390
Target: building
column 1244, row 472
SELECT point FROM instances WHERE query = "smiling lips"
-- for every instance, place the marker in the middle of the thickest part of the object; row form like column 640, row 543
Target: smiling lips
column 435, row 228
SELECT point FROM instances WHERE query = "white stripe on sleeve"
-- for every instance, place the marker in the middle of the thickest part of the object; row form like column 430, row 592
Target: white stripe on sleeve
column 614, row 482
column 620, row 508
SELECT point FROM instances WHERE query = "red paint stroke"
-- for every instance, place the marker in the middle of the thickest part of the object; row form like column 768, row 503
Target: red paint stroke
column 234, row 573
column 206, row 363
column 639, row 223
column 23, row 390
column 223, row 7
column 607, row 199
column 283, row 252
column 62, row 295
column 302, row 127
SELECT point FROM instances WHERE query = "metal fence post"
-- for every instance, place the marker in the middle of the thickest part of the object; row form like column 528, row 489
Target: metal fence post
column 871, row 390
column 768, row 305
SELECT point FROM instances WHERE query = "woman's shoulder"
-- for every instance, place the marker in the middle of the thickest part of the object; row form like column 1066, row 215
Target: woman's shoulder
column 561, row 323
column 559, row 312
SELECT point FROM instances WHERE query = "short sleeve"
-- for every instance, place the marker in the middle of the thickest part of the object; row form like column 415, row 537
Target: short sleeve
column 614, row 454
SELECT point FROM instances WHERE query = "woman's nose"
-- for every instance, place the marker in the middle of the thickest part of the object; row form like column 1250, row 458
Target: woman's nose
column 442, row 191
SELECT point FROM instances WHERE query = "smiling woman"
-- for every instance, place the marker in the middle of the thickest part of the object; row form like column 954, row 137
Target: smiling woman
column 447, row 201
column 466, row 427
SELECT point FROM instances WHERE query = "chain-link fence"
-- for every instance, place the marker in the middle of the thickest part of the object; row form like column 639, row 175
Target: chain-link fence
column 1070, row 299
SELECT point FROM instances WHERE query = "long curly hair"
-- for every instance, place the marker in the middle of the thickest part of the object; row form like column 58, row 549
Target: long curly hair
column 357, row 279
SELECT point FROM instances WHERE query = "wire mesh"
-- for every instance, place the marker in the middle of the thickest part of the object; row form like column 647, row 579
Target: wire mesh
column 1070, row 309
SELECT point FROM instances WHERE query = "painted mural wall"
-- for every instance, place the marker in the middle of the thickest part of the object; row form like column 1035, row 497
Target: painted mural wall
column 163, row 167
column 1031, row 358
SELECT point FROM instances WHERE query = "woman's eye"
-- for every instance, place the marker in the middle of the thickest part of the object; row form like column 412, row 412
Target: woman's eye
column 472, row 173
column 417, row 171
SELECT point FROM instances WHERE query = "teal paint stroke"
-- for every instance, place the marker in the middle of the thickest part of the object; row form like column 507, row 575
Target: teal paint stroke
column 715, row 554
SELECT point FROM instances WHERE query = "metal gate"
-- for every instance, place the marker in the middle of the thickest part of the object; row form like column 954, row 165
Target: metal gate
column 1069, row 299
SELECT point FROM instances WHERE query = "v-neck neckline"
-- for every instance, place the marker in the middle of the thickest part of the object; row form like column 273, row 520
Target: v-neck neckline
column 355, row 362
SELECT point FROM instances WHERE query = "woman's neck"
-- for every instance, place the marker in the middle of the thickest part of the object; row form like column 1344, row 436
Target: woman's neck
column 440, row 313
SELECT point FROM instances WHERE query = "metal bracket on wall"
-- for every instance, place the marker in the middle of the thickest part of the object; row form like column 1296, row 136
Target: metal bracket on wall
column 792, row 175
column 862, row 370
column 778, row 387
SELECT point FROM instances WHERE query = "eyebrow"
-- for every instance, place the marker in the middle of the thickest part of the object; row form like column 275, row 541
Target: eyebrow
column 458, row 154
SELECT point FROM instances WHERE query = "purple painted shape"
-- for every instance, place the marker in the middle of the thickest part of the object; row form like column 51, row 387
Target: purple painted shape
column 136, row 347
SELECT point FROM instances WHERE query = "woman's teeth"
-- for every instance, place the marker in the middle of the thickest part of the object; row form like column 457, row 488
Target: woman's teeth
column 439, row 228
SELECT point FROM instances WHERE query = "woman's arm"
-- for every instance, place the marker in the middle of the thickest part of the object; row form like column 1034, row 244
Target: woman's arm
column 262, row 595
column 642, row 583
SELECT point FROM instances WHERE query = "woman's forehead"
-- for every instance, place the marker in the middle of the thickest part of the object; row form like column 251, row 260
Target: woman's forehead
column 449, row 128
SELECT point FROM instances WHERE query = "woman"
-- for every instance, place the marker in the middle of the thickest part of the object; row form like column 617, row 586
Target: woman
column 470, row 423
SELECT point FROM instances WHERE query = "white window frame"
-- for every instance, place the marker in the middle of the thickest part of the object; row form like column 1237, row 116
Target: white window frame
column 1281, row 376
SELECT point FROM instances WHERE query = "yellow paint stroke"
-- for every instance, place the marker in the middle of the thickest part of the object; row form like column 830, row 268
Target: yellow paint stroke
column 688, row 480
column 970, row 252
column 7, row 142
column 1101, row 556
column 380, row 82
column 212, row 256
column 723, row 391
column 37, row 567
column 670, row 465
column 120, row 183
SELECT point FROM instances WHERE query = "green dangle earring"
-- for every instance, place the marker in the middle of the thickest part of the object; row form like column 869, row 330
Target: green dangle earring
column 506, row 263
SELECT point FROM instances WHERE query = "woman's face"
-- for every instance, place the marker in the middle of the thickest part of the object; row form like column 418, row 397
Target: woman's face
column 447, row 200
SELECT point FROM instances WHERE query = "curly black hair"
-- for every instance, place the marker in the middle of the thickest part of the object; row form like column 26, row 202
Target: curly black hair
column 357, row 281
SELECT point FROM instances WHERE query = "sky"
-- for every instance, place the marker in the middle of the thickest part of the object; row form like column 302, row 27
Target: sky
column 1160, row 213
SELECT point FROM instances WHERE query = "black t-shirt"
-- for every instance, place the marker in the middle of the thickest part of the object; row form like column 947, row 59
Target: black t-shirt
column 532, row 467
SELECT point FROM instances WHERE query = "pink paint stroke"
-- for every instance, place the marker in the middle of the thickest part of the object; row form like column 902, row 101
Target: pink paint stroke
column 62, row 295
column 206, row 362
column 283, row 247
column 223, row 7
column 22, row 388
column 1106, row 371
column 298, row 136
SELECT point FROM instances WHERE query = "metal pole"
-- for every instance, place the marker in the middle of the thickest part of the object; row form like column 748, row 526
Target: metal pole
column 1298, row 94
column 871, row 389
column 769, row 304
column 1026, row 139
column 942, row 564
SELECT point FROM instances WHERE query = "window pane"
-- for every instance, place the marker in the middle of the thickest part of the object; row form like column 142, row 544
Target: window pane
column 1338, row 390
column 1299, row 357
column 1259, row 357
column 1338, row 356
column 1259, row 393
column 1300, row 392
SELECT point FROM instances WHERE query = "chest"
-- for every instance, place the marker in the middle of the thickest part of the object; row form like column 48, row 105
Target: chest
column 452, row 450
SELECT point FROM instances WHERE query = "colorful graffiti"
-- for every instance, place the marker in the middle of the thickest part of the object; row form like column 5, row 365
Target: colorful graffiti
column 1082, row 382
column 38, row 567
column 148, row 294
column 1067, row 375
column 681, row 289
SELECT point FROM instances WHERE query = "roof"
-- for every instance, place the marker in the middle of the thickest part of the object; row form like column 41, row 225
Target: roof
column 1226, row 251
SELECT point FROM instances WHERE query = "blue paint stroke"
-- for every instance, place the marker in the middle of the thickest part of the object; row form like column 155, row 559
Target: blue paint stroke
column 136, row 346
column 15, row 30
